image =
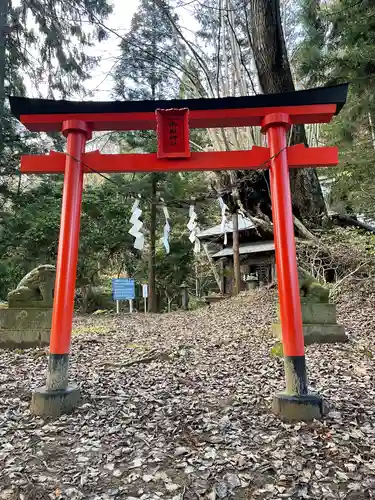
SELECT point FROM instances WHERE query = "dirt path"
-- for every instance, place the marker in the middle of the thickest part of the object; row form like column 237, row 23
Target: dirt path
column 192, row 419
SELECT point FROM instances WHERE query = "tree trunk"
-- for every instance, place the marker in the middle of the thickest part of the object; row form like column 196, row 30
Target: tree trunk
column 271, row 60
column 85, row 290
column 3, row 30
column 152, row 299
column 236, row 255
column 197, row 280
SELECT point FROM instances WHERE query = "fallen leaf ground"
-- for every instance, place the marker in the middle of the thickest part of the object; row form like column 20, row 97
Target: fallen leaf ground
column 178, row 407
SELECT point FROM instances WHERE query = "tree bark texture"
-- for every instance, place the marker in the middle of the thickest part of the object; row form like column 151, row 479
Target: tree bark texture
column 273, row 68
column 152, row 299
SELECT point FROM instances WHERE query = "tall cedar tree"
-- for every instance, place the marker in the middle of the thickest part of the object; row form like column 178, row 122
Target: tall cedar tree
column 142, row 74
column 271, row 60
column 45, row 40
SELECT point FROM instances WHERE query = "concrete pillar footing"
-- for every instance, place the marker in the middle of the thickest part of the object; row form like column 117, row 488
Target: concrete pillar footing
column 53, row 403
column 298, row 408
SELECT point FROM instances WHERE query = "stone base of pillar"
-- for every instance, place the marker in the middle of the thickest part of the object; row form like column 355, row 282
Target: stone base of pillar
column 319, row 324
column 53, row 403
column 298, row 408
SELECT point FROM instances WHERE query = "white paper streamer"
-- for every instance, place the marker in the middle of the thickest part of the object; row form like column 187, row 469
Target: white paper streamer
column 139, row 242
column 224, row 210
column 194, row 229
column 167, row 230
column 135, row 205
column 137, row 225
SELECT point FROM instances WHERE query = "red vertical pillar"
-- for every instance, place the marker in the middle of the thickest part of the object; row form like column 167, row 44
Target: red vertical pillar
column 57, row 397
column 295, row 403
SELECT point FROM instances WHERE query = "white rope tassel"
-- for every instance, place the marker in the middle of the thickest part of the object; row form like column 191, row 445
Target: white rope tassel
column 167, row 230
column 137, row 225
column 194, row 229
column 224, row 210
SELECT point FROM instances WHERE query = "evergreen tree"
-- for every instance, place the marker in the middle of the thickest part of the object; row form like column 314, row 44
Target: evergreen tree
column 140, row 75
column 146, row 53
column 42, row 43
column 339, row 46
column 47, row 41
column 275, row 75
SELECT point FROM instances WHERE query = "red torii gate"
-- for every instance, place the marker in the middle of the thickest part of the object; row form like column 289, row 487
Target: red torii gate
column 274, row 113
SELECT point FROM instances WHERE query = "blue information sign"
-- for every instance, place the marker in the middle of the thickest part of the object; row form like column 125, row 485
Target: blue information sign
column 123, row 289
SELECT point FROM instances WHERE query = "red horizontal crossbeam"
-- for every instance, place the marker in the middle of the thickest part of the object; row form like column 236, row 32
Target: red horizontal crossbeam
column 215, row 118
column 257, row 158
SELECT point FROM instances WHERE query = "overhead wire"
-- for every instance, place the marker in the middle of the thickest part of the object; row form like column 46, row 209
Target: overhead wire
column 218, row 9
column 107, row 75
column 183, row 203
column 182, row 5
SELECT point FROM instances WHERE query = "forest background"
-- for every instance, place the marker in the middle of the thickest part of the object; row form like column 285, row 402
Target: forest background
column 187, row 49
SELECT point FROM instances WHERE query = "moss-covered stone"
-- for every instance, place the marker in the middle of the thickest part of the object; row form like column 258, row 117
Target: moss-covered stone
column 35, row 289
column 277, row 350
column 25, row 328
column 310, row 289
column 316, row 313
column 319, row 324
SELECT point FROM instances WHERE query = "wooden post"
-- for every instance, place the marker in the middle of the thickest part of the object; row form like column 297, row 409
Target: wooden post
column 152, row 299
column 185, row 296
column 236, row 255
column 197, row 280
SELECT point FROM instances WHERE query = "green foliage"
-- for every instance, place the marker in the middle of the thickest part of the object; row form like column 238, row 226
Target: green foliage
column 339, row 46
column 99, row 299
column 196, row 303
column 30, row 234
column 45, row 45
column 149, row 55
column 48, row 41
column 14, row 141
column 150, row 67
column 277, row 350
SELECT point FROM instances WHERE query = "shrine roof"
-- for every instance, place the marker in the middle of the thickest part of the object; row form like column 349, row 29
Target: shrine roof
column 47, row 114
column 244, row 224
column 247, row 248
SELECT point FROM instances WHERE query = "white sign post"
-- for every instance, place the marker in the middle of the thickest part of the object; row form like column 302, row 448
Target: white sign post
column 145, row 296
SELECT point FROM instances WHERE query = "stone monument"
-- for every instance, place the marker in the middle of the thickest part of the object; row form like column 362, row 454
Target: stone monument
column 318, row 315
column 26, row 322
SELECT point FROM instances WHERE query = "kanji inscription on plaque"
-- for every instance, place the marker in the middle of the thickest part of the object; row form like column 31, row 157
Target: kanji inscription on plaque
column 173, row 133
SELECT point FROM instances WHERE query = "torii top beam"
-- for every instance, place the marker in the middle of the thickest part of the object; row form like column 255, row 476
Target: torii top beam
column 305, row 106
